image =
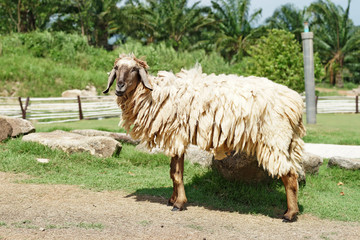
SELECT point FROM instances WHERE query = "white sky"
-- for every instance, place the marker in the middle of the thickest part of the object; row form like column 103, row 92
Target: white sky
column 269, row 6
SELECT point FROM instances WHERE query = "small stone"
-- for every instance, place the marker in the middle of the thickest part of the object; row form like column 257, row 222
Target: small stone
column 42, row 229
column 42, row 160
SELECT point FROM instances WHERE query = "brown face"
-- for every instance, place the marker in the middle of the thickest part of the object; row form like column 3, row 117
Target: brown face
column 128, row 75
column 127, row 79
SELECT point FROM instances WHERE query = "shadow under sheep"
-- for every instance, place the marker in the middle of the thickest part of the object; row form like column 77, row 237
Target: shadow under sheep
column 213, row 192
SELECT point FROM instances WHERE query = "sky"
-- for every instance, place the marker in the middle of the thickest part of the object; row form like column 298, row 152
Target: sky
column 269, row 6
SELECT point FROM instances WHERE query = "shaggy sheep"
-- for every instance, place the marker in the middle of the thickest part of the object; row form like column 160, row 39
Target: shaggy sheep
column 218, row 113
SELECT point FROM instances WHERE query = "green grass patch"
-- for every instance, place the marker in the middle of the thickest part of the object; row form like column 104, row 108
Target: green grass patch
column 141, row 174
column 107, row 124
column 341, row 129
column 323, row 196
column 90, row 225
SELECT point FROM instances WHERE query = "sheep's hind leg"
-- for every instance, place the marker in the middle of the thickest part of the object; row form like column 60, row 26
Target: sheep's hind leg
column 178, row 197
column 291, row 187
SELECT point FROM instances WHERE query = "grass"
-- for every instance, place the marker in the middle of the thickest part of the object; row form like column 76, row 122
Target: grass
column 107, row 124
column 142, row 174
column 343, row 129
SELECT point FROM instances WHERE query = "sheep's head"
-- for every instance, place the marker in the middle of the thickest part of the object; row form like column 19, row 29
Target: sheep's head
column 128, row 72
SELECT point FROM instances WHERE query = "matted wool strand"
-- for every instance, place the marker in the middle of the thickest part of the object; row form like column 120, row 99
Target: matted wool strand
column 220, row 113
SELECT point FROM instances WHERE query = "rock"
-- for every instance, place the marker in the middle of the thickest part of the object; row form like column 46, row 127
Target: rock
column 20, row 126
column 142, row 148
column 6, row 129
column 193, row 154
column 196, row 155
column 89, row 91
column 71, row 93
column 121, row 137
column 72, row 142
column 241, row 167
column 347, row 163
column 311, row 163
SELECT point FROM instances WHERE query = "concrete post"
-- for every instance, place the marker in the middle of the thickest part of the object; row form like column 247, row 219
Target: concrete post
column 307, row 40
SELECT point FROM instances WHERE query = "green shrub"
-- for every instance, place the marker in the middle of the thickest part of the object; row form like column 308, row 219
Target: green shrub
column 278, row 57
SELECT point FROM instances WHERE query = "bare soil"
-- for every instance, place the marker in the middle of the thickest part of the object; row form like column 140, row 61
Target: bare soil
column 32, row 211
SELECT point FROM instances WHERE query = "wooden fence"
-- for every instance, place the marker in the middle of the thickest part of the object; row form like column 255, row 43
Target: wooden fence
column 49, row 110
column 337, row 104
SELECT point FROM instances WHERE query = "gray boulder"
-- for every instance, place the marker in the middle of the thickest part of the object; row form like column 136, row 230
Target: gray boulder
column 310, row 165
column 20, row 126
column 193, row 154
column 121, row 137
column 6, row 129
column 347, row 163
column 196, row 155
column 72, row 142
column 241, row 167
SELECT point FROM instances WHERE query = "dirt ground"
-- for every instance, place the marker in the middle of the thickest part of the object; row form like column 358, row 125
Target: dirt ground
column 31, row 211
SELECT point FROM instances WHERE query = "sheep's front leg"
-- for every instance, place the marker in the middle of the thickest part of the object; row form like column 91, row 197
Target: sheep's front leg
column 178, row 198
column 291, row 187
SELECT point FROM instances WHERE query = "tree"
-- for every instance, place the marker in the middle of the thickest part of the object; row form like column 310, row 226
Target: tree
column 235, row 27
column 289, row 18
column 336, row 39
column 166, row 20
column 278, row 57
column 92, row 19
column 26, row 15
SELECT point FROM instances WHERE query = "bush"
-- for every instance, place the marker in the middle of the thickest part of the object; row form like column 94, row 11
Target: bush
column 161, row 57
column 278, row 56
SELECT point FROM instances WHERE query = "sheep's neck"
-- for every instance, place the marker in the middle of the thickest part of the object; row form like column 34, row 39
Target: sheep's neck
column 130, row 104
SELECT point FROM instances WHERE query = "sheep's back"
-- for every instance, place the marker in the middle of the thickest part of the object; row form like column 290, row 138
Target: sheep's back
column 221, row 114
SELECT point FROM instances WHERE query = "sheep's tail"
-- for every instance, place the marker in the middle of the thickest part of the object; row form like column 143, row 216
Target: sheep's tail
column 296, row 147
column 280, row 162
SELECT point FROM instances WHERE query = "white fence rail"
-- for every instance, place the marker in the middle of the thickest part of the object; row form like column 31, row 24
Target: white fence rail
column 49, row 110
column 338, row 104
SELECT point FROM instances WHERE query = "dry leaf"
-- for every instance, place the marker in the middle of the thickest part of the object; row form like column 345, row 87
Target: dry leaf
column 340, row 184
column 342, row 193
column 132, row 174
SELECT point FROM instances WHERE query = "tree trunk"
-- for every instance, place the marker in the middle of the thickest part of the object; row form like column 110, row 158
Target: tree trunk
column 19, row 17
column 339, row 79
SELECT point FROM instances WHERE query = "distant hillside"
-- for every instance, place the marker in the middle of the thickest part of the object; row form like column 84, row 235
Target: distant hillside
column 44, row 64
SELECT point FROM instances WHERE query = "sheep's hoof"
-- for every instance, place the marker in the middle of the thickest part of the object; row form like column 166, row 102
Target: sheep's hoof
column 289, row 217
column 175, row 209
column 286, row 220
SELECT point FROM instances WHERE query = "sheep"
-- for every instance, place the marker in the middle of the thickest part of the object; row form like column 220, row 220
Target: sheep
column 219, row 113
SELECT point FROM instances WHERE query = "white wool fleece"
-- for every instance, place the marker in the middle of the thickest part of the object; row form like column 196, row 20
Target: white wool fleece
column 219, row 113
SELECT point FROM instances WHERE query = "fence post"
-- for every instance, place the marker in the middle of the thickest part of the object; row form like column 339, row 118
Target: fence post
column 23, row 110
column 357, row 104
column 316, row 103
column 308, row 52
column 81, row 117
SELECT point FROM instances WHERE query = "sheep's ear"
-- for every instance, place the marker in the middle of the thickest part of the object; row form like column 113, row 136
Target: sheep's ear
column 111, row 79
column 144, row 79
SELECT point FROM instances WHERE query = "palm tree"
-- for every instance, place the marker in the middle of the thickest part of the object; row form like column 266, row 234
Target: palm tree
column 235, row 27
column 289, row 18
column 167, row 20
column 336, row 39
